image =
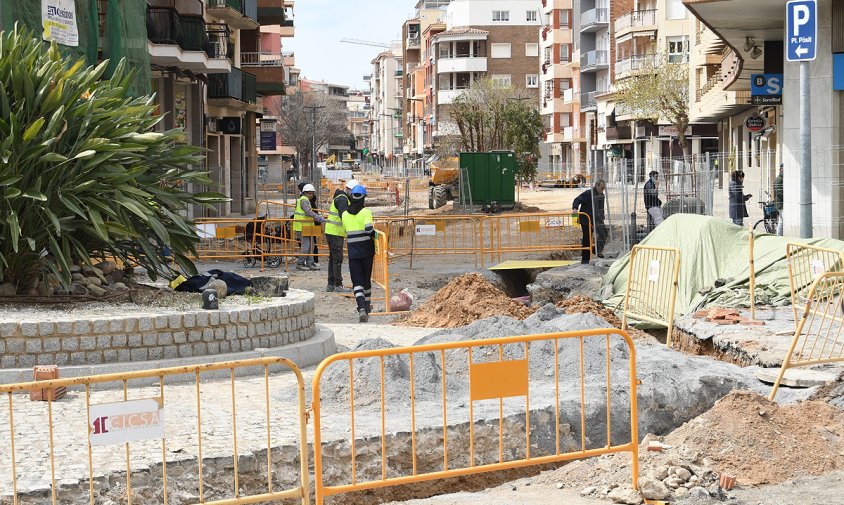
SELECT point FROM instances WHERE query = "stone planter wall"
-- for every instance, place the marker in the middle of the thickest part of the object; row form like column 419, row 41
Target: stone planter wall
column 155, row 336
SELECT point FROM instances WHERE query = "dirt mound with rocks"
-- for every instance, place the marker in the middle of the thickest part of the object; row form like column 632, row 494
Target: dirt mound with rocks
column 743, row 436
column 464, row 300
column 585, row 305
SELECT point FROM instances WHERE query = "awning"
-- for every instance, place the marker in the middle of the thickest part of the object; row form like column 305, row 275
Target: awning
column 433, row 158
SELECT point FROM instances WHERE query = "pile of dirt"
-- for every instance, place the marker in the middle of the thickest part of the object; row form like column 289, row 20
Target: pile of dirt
column 586, row 305
column 744, row 436
column 463, row 301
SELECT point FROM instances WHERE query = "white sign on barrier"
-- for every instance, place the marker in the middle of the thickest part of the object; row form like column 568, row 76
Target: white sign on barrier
column 554, row 222
column 426, row 230
column 129, row 421
column 206, row 230
column 818, row 268
column 653, row 271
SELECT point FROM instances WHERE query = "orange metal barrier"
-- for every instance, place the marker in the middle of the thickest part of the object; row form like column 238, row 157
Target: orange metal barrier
column 434, row 235
column 651, row 293
column 276, row 242
column 227, row 239
column 806, row 264
column 532, row 233
column 498, row 370
column 818, row 338
column 108, row 432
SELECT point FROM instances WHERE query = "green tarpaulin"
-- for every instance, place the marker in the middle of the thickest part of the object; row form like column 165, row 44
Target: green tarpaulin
column 712, row 249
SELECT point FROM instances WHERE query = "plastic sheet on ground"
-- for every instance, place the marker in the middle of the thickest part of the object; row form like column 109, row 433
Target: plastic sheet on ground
column 712, row 249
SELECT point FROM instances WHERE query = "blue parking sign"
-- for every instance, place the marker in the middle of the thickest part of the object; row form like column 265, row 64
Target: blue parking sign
column 801, row 38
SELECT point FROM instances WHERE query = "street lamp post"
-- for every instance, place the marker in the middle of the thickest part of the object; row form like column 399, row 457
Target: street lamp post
column 314, row 179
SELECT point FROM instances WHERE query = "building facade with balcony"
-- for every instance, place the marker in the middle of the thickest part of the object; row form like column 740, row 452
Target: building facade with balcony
column 594, row 50
column 387, row 100
column 485, row 38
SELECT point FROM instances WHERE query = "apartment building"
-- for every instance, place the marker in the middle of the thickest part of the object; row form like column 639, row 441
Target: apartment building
column 416, row 56
column 559, row 79
column 593, row 27
column 358, row 122
column 387, row 101
column 494, row 38
column 214, row 63
column 429, row 96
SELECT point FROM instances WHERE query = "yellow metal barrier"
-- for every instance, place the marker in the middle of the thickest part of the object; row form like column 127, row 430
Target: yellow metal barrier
column 532, row 233
column 806, row 264
column 277, row 242
column 818, row 338
column 226, row 239
column 502, row 368
column 433, row 235
column 651, row 293
column 62, row 432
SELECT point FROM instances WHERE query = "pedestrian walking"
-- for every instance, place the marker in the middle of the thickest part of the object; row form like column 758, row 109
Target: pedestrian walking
column 335, row 234
column 653, row 205
column 592, row 203
column 360, row 233
column 304, row 218
column 738, row 200
column 778, row 200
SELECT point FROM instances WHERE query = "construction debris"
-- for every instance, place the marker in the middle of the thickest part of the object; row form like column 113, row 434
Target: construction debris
column 725, row 317
column 743, row 440
column 586, row 305
column 464, row 300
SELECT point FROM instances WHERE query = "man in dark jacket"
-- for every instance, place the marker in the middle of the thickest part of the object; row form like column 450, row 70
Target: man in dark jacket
column 653, row 205
column 738, row 200
column 592, row 203
column 336, row 237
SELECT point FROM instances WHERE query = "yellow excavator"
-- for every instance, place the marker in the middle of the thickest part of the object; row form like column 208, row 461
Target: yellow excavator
column 445, row 182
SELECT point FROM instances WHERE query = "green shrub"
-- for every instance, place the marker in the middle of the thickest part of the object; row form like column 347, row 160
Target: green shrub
column 83, row 175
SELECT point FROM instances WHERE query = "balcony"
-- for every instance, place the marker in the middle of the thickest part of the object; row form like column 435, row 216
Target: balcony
column 549, row 5
column 623, row 68
column 635, row 22
column 592, row 61
column 240, row 14
column 713, row 100
column 414, row 42
column 287, row 29
column 447, row 96
column 574, row 134
column 268, row 69
column 271, row 12
column 236, row 85
column 570, row 97
column 589, row 101
column 619, row 133
column 187, row 42
column 594, row 20
column 462, row 63
column 289, row 59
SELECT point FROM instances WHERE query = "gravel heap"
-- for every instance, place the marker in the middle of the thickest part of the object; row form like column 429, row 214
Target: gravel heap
column 743, row 436
column 465, row 300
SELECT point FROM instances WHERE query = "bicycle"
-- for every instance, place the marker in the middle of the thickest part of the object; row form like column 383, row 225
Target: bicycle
column 771, row 215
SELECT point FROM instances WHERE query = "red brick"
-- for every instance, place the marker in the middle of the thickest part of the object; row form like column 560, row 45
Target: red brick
column 753, row 323
column 725, row 322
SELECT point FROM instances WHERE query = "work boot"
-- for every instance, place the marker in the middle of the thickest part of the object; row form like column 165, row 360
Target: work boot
column 329, row 288
column 363, row 316
column 341, row 289
column 313, row 267
column 302, row 267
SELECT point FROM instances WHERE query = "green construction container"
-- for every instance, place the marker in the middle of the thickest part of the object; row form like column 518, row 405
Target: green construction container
column 491, row 177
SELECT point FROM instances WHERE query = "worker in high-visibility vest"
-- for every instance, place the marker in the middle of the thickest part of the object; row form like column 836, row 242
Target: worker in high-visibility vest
column 335, row 234
column 304, row 216
column 360, row 234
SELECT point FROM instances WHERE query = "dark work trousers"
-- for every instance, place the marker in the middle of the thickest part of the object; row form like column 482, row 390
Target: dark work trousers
column 587, row 252
column 361, row 271
column 335, row 260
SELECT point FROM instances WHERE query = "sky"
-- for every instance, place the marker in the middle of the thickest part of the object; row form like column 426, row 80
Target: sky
column 321, row 24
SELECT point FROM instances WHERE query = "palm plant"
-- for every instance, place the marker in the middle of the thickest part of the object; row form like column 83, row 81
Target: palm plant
column 83, row 174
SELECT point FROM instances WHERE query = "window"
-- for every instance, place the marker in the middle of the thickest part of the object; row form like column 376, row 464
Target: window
column 531, row 16
column 501, row 51
column 500, row 16
column 676, row 10
column 678, row 49
column 532, row 50
column 532, row 81
column 505, row 80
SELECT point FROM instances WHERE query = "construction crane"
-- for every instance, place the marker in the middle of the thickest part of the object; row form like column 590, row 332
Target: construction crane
column 365, row 43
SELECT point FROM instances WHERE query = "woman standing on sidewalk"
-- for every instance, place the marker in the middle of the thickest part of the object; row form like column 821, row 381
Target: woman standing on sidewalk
column 738, row 200
column 360, row 237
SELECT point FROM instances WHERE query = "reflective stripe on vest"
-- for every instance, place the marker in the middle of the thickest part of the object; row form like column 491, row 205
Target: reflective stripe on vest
column 359, row 239
column 301, row 219
column 334, row 225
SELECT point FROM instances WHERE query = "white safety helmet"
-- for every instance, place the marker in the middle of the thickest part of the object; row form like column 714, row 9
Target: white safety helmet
column 352, row 184
column 309, row 188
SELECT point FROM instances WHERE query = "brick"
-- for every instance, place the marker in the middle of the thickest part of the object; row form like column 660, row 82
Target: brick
column 82, row 328
column 62, row 359
column 15, row 345
column 119, row 340
column 124, row 355
column 219, row 333
column 242, row 332
column 110, row 356
column 701, row 314
column 77, row 358
column 8, row 361
column 139, row 354
column 214, row 318
column 135, row 341
column 104, row 342
column 101, row 326
column 254, row 316
column 33, row 345
column 250, row 331
column 224, row 317
column 52, row 344
column 753, row 323
column 725, row 322
column 200, row 349
column 146, row 324
column 165, row 338
column 29, row 330
column 130, row 325
column 46, row 329
column 171, row 352
column 180, row 337
column 213, row 348
column 156, row 353
column 45, row 359
column 161, row 322
column 194, row 335
column 95, row 358
column 175, row 322
column 117, row 325
column 202, row 319
column 150, row 339
column 64, row 327
column 8, row 329
column 207, row 335
column 185, row 351
column 2, row 347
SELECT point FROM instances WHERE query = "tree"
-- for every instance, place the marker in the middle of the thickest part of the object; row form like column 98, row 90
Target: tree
column 492, row 117
column 82, row 173
column 296, row 117
column 659, row 91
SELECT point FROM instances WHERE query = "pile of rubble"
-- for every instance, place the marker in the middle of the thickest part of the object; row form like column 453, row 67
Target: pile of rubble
column 464, row 300
column 725, row 317
column 97, row 281
column 744, row 440
column 586, row 305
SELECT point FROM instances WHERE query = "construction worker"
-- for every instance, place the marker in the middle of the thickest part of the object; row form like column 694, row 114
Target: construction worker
column 360, row 233
column 336, row 236
column 653, row 205
column 304, row 216
column 592, row 203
